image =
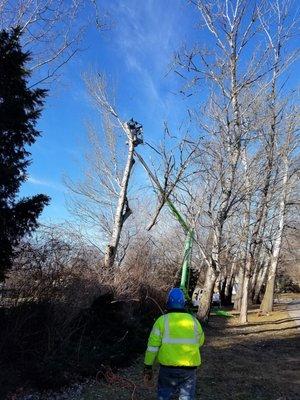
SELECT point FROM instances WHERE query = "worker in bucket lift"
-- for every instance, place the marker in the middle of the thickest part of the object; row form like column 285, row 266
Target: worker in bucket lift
column 175, row 342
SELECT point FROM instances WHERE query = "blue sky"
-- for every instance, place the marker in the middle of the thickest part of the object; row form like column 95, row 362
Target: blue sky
column 135, row 54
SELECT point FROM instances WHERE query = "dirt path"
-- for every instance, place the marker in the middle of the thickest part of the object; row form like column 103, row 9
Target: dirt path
column 294, row 311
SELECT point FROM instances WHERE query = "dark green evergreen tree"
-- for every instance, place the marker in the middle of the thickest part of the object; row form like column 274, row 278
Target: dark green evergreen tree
column 20, row 107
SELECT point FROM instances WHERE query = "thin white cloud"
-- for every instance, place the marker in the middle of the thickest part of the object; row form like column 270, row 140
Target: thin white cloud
column 146, row 35
column 45, row 183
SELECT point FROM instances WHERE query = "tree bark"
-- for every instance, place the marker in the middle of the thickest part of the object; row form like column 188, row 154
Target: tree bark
column 259, row 284
column 222, row 287
column 206, row 297
column 226, row 287
column 238, row 296
column 232, row 140
column 247, row 262
column 122, row 211
column 267, row 303
column 245, row 293
column 228, row 291
column 253, row 280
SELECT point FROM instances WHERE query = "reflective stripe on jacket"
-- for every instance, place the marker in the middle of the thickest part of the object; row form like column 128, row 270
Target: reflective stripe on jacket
column 175, row 340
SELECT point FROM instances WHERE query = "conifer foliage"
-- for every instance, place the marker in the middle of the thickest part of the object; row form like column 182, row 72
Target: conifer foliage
column 20, row 108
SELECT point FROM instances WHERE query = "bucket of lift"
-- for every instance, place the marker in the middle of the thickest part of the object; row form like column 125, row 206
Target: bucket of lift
column 136, row 130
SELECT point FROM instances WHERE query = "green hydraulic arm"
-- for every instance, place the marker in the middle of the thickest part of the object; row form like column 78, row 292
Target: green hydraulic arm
column 187, row 253
column 186, row 264
column 190, row 234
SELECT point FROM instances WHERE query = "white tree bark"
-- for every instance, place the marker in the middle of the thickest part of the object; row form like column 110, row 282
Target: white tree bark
column 122, row 211
column 238, row 296
column 267, row 302
column 247, row 259
column 206, row 296
column 245, row 293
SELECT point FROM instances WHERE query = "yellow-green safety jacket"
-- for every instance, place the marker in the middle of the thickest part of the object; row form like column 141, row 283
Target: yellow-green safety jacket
column 175, row 340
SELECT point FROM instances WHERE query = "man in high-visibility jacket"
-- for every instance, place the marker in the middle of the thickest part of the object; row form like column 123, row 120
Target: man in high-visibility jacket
column 175, row 342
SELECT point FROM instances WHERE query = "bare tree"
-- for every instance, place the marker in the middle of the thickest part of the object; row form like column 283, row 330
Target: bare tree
column 123, row 210
column 286, row 184
column 242, row 112
column 278, row 32
column 52, row 31
column 103, row 196
column 232, row 25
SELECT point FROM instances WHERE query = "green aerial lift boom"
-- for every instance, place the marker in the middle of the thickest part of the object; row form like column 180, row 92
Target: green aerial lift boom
column 187, row 253
column 189, row 231
column 190, row 234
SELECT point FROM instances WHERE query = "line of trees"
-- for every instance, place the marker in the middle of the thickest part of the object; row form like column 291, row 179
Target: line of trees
column 234, row 178
column 238, row 186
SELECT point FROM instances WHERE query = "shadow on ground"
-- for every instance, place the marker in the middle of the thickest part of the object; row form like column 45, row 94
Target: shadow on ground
column 253, row 362
column 260, row 361
column 246, row 363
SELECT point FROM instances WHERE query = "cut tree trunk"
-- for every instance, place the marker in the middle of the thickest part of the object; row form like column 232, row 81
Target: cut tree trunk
column 122, row 211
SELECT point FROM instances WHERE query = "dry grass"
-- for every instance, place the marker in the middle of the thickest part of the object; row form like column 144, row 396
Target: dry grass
column 259, row 361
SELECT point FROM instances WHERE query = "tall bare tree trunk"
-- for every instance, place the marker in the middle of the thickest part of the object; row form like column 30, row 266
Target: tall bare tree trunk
column 260, row 281
column 212, row 275
column 247, row 258
column 222, row 286
column 233, row 130
column 229, row 286
column 122, row 211
column 276, row 44
column 206, row 297
column 238, row 296
column 253, row 279
column 267, row 303
column 245, row 293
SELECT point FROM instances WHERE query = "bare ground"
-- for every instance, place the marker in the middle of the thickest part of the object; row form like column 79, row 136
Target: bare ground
column 258, row 361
